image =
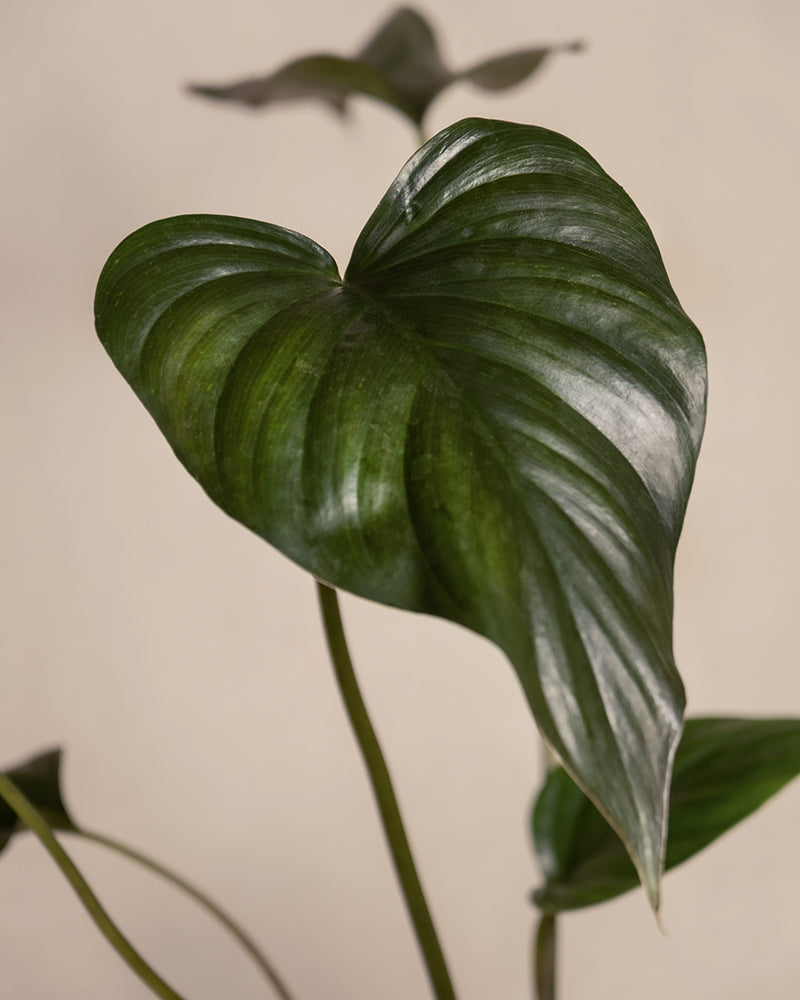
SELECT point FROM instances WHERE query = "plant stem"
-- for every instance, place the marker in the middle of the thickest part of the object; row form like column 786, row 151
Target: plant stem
column 544, row 969
column 544, row 945
column 384, row 795
column 199, row 897
column 34, row 820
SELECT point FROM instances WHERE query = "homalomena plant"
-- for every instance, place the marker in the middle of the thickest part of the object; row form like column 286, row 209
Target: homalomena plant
column 493, row 416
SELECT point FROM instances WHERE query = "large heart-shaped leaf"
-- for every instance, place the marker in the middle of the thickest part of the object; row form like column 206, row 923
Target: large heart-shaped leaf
column 493, row 418
column 724, row 770
column 39, row 780
column 400, row 66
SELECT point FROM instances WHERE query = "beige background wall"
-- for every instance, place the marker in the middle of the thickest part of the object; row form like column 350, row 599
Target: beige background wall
column 179, row 660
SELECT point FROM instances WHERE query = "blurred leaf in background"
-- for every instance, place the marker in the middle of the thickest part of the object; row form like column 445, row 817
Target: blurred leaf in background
column 400, row 65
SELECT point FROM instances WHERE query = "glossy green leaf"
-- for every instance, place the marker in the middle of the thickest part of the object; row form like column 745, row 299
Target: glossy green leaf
column 39, row 779
column 724, row 770
column 400, row 65
column 493, row 418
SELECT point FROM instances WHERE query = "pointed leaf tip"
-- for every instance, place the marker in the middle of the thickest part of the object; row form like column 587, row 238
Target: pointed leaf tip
column 725, row 769
column 39, row 779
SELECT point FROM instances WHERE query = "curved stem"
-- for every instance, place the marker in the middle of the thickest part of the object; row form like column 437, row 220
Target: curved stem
column 199, row 897
column 544, row 969
column 34, row 820
column 384, row 795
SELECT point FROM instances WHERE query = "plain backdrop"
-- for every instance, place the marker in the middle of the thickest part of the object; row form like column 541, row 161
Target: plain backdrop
column 179, row 660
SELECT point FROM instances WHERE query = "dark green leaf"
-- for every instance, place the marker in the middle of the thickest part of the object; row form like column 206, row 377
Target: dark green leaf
column 400, row 66
column 494, row 418
column 39, row 780
column 724, row 770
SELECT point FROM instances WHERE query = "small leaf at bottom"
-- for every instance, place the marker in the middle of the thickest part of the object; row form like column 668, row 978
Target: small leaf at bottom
column 39, row 780
column 724, row 770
